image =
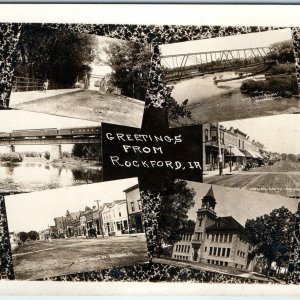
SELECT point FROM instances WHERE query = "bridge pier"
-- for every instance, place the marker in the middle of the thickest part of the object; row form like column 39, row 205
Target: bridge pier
column 10, row 149
column 55, row 152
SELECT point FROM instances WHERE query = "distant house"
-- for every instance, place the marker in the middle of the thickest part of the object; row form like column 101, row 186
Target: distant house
column 214, row 240
column 134, row 205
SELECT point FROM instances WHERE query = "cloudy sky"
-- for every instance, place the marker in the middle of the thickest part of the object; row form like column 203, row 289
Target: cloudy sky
column 278, row 133
column 238, row 203
column 252, row 40
column 35, row 211
column 19, row 119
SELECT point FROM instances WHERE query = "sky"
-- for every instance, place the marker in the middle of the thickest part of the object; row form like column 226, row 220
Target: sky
column 238, row 203
column 102, row 68
column 33, row 120
column 251, row 40
column 279, row 133
column 35, row 211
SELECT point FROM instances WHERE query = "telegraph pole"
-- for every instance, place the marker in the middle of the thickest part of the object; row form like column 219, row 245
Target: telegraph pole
column 100, row 218
column 220, row 151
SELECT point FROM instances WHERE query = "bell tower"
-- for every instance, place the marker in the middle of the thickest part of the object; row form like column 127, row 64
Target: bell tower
column 206, row 216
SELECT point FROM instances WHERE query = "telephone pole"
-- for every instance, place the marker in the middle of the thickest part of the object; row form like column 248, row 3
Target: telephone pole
column 100, row 219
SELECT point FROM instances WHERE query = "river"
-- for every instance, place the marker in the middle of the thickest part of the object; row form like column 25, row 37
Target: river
column 210, row 102
column 37, row 176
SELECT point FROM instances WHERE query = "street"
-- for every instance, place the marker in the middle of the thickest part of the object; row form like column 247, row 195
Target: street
column 89, row 105
column 40, row 259
column 282, row 178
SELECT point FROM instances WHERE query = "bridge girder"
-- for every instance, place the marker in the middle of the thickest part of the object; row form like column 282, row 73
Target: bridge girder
column 46, row 141
column 214, row 61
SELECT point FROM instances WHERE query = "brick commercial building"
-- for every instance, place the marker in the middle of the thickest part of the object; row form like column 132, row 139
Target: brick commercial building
column 215, row 240
column 229, row 146
column 134, row 206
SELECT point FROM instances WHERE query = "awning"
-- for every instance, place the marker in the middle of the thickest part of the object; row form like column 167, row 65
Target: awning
column 235, row 152
column 253, row 153
column 247, row 154
column 259, row 155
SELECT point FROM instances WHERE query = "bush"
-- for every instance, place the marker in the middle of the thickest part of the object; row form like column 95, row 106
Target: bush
column 11, row 157
column 282, row 69
column 282, row 85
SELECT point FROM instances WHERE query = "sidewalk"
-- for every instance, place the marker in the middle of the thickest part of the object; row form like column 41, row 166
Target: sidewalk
column 22, row 97
column 226, row 171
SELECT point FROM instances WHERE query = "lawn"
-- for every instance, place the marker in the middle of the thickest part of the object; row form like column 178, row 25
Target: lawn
column 40, row 259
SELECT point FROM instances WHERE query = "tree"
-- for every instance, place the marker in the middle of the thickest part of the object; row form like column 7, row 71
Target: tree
column 270, row 236
column 23, row 236
column 282, row 52
column 47, row 155
column 292, row 157
column 89, row 151
column 131, row 63
column 177, row 199
column 33, row 235
column 175, row 110
column 57, row 55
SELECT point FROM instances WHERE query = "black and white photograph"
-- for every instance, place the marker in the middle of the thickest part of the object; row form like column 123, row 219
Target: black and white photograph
column 77, row 229
column 234, row 77
column 218, row 230
column 80, row 75
column 259, row 154
column 42, row 151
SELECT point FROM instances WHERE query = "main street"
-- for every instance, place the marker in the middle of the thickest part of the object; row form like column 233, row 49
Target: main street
column 282, row 178
column 40, row 259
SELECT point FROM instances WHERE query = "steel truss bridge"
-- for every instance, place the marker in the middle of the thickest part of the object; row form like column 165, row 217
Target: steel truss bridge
column 180, row 66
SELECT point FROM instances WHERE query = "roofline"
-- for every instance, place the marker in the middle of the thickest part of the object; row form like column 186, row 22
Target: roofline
column 131, row 188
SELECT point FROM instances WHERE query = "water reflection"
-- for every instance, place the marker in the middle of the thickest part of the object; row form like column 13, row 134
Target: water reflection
column 30, row 176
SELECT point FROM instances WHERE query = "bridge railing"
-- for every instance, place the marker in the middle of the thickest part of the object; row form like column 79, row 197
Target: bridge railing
column 25, row 84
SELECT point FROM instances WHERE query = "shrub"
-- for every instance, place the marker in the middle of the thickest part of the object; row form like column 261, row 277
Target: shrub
column 11, row 157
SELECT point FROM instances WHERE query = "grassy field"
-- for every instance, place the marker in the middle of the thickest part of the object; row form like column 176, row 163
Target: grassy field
column 90, row 105
column 40, row 259
column 282, row 178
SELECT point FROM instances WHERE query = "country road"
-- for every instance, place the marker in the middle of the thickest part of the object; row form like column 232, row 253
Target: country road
column 89, row 105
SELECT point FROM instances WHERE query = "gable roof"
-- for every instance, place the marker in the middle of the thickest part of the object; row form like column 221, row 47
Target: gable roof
column 227, row 224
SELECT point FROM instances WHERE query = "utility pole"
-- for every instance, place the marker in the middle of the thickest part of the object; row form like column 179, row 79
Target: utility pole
column 100, row 219
column 220, row 151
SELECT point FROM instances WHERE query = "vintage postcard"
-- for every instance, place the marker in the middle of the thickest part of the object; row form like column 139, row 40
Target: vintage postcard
column 136, row 149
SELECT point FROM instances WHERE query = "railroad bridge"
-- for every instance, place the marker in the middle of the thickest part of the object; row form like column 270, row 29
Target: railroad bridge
column 188, row 65
column 51, row 136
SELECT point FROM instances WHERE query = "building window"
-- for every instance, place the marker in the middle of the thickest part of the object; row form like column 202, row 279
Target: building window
column 226, row 263
column 210, row 250
column 205, row 249
column 221, row 263
column 120, row 215
column 132, row 206
column 230, row 238
column 206, row 135
column 221, row 238
column 212, row 237
column 225, row 238
column 228, row 252
column 215, row 250
column 208, row 261
column 219, row 251
column 223, row 251
column 217, row 237
column 140, row 204
column 238, row 252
